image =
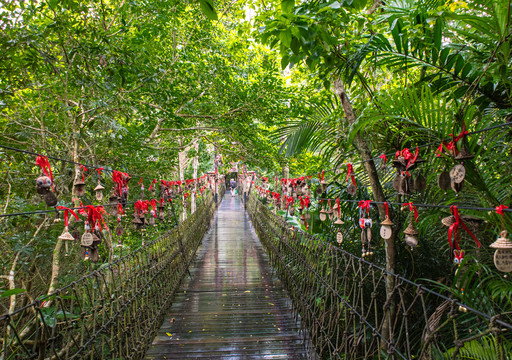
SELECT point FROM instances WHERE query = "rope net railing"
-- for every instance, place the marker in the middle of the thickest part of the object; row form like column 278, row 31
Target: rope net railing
column 111, row 313
column 344, row 310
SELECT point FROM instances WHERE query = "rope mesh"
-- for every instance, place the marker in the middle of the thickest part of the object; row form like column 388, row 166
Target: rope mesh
column 112, row 313
column 342, row 303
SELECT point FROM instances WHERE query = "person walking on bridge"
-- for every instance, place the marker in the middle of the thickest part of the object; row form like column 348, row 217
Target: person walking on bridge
column 232, row 185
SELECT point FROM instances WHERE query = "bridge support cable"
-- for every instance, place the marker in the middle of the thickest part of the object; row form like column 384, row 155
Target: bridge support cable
column 341, row 301
column 114, row 312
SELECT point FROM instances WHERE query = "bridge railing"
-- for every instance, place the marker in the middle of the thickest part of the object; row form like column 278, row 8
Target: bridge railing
column 112, row 313
column 342, row 304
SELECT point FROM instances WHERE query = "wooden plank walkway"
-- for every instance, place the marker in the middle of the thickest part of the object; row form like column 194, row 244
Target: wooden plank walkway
column 232, row 307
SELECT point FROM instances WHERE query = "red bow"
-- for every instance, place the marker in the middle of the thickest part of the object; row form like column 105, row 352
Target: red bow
column 413, row 209
column 99, row 170
column 350, row 173
column 384, row 158
column 339, row 208
column 120, row 208
column 66, row 210
column 365, row 205
column 321, row 176
column 500, row 209
column 44, row 165
column 386, row 208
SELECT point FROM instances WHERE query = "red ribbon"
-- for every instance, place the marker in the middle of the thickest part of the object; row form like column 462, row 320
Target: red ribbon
column 120, row 208
column 453, row 231
column 350, row 173
column 44, row 165
column 499, row 209
column 117, row 178
column 339, row 209
column 99, row 170
column 66, row 210
column 321, row 176
column 384, row 158
column 413, row 209
column 152, row 183
column 365, row 205
column 386, row 208
column 84, row 169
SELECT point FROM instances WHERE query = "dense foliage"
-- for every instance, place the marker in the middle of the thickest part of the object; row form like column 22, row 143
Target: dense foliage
column 154, row 87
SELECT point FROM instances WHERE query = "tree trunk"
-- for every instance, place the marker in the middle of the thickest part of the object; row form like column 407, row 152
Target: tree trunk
column 286, row 171
column 378, row 195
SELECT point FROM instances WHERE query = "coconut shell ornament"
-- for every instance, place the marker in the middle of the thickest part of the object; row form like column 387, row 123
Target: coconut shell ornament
column 503, row 253
column 44, row 183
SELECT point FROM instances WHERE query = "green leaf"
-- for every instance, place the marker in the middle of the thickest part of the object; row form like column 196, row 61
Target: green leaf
column 11, row 292
column 287, row 6
column 286, row 37
column 208, row 9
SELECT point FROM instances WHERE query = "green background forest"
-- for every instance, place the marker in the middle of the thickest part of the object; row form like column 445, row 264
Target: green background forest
column 289, row 88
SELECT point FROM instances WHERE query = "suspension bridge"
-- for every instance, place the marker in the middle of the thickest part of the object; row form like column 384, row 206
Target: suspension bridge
column 234, row 281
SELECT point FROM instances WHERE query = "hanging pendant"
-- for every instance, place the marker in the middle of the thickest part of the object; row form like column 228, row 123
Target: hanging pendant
column 339, row 237
column 444, row 180
column 385, row 230
column 352, row 189
column 420, row 183
column 87, row 239
column 458, row 173
column 99, row 191
column 503, row 253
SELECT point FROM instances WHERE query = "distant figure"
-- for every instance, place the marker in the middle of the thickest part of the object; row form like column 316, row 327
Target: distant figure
column 232, row 185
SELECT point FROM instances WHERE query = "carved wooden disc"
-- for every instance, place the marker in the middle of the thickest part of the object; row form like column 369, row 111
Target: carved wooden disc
column 87, row 239
column 503, row 260
column 339, row 237
column 444, row 180
column 386, row 232
column 458, row 173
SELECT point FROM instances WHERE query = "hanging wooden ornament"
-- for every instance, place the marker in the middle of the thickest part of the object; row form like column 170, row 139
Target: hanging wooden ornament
column 351, row 179
column 141, row 183
column 152, row 217
column 411, row 235
column 444, row 181
column 66, row 235
column 420, row 183
column 113, row 205
column 365, row 223
column 457, row 187
column 409, row 184
column 99, row 191
column 384, row 162
column 323, row 215
column 386, row 230
column 152, row 188
column 399, row 163
column 79, row 185
column 458, row 173
column 87, row 238
column 44, row 183
column 503, row 253
column 338, row 222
